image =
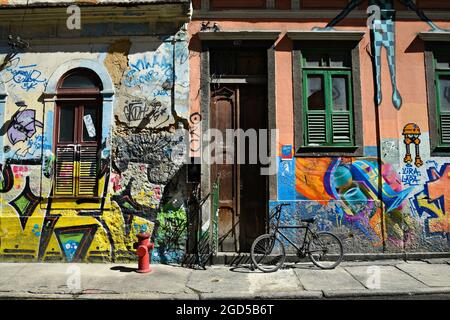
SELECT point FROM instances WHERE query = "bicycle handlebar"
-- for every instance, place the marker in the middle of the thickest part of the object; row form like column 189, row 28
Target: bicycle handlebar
column 277, row 210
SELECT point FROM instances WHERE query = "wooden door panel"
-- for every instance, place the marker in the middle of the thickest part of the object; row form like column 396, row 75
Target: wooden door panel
column 243, row 191
column 223, row 117
column 254, row 188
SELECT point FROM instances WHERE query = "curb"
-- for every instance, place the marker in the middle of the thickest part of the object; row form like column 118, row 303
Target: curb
column 106, row 296
column 262, row 295
column 139, row 296
column 292, row 295
column 377, row 293
column 233, row 259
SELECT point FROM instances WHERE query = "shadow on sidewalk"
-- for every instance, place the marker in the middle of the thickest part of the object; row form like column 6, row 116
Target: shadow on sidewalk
column 243, row 269
column 124, row 269
column 287, row 266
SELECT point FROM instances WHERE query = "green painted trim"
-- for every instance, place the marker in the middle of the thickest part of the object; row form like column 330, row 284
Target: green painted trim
column 328, row 112
column 438, row 74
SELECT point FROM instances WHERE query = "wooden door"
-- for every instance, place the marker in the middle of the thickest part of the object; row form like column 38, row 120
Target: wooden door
column 224, row 116
column 243, row 191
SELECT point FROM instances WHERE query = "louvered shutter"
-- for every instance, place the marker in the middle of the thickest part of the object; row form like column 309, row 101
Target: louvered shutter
column 445, row 128
column 341, row 127
column 65, row 170
column 87, row 173
column 317, row 128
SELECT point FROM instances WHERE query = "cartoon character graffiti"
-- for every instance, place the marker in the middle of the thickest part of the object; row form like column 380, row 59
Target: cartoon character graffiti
column 383, row 28
column 22, row 126
column 411, row 132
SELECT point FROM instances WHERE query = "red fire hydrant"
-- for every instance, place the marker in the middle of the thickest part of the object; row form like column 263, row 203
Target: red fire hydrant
column 143, row 250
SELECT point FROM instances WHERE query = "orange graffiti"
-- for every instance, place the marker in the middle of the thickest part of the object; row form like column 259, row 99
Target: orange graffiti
column 436, row 189
column 375, row 224
column 309, row 178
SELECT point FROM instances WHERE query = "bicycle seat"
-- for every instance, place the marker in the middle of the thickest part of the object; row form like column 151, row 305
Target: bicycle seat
column 309, row 220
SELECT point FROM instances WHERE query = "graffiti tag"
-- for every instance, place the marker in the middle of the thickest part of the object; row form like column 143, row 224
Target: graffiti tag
column 27, row 76
column 410, row 175
column 144, row 72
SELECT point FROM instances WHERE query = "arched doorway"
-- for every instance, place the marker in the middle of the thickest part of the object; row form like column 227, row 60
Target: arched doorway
column 78, row 133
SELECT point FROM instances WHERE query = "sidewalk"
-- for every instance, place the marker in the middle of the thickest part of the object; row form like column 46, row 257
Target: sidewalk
column 299, row 281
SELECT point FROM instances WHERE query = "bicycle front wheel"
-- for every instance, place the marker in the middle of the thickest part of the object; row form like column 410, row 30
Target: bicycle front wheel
column 325, row 250
column 268, row 253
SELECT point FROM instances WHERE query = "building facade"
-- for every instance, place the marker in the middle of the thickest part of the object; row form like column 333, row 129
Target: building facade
column 82, row 86
column 111, row 113
column 357, row 93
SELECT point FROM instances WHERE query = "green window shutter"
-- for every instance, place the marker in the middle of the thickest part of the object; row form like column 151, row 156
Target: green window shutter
column 65, row 170
column 327, row 107
column 317, row 128
column 442, row 83
column 445, row 128
column 341, row 108
column 341, row 126
column 88, row 168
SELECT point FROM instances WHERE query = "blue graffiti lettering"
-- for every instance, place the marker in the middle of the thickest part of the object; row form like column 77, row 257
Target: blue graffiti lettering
column 410, row 176
column 145, row 72
column 27, row 76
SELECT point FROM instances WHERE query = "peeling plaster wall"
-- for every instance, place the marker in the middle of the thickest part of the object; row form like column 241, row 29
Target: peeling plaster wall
column 144, row 128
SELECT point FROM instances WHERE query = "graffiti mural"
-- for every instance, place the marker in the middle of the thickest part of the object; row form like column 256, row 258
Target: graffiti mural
column 433, row 203
column 343, row 193
column 137, row 158
column 170, row 243
column 25, row 203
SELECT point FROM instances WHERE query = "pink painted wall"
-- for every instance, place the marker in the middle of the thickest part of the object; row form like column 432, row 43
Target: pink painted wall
column 410, row 75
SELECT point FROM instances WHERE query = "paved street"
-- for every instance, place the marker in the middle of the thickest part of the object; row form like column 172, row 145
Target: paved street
column 351, row 280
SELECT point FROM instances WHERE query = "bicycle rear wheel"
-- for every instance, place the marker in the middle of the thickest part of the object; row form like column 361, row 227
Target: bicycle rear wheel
column 268, row 253
column 325, row 250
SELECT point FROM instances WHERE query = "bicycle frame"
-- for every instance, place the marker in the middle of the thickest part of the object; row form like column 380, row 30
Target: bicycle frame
column 277, row 230
column 305, row 241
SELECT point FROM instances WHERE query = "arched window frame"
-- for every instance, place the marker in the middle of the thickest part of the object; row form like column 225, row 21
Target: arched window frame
column 50, row 98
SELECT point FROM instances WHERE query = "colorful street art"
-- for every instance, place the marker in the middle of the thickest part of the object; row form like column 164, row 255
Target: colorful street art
column 172, row 235
column 433, row 203
column 411, row 132
column 151, row 101
column 343, row 194
column 351, row 186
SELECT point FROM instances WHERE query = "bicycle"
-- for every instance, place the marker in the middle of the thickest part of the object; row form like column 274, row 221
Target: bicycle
column 268, row 254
